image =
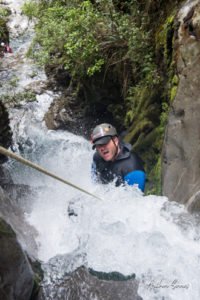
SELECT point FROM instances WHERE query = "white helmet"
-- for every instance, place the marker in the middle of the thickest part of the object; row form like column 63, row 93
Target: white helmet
column 102, row 134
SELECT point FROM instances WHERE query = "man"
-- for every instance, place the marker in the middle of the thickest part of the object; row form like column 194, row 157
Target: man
column 113, row 160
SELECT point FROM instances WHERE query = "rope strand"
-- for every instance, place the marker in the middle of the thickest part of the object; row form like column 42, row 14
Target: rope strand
column 42, row 170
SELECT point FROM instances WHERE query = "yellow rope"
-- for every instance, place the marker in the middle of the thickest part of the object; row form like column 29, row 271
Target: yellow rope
column 40, row 169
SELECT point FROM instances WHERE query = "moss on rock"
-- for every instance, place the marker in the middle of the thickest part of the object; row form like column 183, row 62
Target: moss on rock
column 6, row 230
column 147, row 110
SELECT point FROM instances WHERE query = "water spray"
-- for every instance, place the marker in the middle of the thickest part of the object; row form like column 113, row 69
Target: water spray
column 26, row 162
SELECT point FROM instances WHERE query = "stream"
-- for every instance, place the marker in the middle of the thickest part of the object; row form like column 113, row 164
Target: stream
column 125, row 231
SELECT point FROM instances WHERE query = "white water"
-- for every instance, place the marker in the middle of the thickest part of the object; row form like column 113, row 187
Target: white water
column 17, row 71
column 125, row 231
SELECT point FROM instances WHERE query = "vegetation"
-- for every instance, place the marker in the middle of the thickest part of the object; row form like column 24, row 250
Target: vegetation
column 131, row 39
column 3, row 29
column 14, row 99
column 86, row 38
column 4, row 13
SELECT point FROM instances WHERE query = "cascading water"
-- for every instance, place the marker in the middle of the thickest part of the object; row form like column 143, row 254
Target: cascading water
column 125, row 231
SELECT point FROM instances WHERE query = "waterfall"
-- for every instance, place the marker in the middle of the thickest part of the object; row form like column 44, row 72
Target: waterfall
column 126, row 231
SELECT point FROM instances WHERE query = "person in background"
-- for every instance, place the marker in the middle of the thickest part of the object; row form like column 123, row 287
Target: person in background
column 113, row 159
column 6, row 48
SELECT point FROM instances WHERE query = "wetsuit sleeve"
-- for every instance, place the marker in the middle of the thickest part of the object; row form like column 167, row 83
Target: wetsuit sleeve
column 136, row 177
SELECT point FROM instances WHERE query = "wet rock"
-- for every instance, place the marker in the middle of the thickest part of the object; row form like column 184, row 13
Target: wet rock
column 37, row 87
column 193, row 204
column 58, row 76
column 5, row 177
column 82, row 105
column 14, row 203
column 181, row 153
column 5, row 131
column 16, row 276
column 85, row 284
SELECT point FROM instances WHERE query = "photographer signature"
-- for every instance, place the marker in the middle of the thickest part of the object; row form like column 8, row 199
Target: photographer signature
column 163, row 284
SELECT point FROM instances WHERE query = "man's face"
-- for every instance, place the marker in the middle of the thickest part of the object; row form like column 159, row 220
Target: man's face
column 108, row 151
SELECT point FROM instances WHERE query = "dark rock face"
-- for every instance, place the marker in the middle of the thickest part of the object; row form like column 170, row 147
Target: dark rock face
column 13, row 205
column 5, row 131
column 181, row 155
column 84, row 284
column 5, row 177
column 82, row 106
column 16, row 276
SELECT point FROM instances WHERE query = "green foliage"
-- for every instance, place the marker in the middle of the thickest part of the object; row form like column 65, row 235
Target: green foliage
column 4, row 12
column 85, row 38
column 141, row 98
column 14, row 99
column 174, row 86
column 146, row 119
column 3, row 29
column 164, row 115
column 154, row 187
column 30, row 9
column 14, row 81
column 66, row 36
column 164, row 39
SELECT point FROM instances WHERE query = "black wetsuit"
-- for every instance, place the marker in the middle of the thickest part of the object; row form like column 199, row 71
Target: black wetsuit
column 127, row 167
